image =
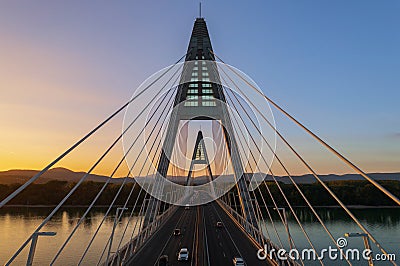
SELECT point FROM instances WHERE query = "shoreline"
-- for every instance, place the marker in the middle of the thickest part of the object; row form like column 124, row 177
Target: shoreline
column 301, row 206
column 64, row 206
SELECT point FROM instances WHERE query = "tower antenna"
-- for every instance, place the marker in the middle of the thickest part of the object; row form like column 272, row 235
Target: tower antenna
column 200, row 9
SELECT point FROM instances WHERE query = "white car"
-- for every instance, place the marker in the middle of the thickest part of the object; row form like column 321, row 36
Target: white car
column 238, row 261
column 183, row 254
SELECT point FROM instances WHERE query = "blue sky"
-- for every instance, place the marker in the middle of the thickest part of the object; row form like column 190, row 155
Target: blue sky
column 335, row 65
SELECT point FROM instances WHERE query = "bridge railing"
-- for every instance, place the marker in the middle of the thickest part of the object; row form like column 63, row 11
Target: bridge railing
column 126, row 251
column 256, row 236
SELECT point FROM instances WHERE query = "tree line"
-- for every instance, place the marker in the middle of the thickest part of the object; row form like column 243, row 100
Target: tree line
column 350, row 192
column 52, row 192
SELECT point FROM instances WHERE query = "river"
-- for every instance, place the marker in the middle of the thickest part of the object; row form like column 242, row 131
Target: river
column 16, row 224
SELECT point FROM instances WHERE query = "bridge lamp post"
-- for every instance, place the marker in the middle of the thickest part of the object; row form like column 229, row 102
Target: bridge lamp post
column 168, row 199
column 283, row 211
column 146, row 203
column 229, row 199
column 367, row 244
column 232, row 195
column 113, row 230
column 34, row 243
column 174, row 196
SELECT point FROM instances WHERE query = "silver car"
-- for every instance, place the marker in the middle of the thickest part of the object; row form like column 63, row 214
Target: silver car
column 183, row 254
column 238, row 261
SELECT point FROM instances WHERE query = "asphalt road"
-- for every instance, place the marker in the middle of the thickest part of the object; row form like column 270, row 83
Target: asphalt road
column 207, row 244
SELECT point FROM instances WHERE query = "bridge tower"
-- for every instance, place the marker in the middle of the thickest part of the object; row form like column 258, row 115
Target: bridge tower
column 199, row 157
column 200, row 96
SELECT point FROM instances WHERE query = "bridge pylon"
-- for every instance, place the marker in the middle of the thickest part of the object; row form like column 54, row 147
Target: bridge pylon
column 200, row 96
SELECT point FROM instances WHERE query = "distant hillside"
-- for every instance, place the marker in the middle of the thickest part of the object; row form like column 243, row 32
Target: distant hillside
column 60, row 174
column 63, row 174
column 309, row 179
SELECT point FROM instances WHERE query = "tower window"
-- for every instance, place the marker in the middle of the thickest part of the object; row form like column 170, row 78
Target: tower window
column 208, row 103
column 189, row 103
column 192, row 97
column 207, row 97
column 207, row 91
column 192, row 91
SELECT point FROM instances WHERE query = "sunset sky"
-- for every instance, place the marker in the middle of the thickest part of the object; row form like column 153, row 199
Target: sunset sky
column 66, row 65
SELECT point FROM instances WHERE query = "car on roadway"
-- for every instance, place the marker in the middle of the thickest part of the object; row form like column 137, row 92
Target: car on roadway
column 219, row 224
column 183, row 254
column 177, row 232
column 237, row 261
column 163, row 260
column 187, row 207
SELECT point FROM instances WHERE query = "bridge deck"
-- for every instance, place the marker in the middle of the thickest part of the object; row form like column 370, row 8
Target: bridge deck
column 207, row 244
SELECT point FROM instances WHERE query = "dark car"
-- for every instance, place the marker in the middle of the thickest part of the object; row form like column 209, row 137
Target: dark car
column 163, row 260
column 177, row 232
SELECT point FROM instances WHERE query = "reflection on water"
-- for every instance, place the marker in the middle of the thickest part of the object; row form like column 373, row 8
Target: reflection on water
column 16, row 224
column 382, row 223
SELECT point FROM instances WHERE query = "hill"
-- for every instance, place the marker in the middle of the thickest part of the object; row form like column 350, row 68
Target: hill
column 309, row 179
column 63, row 174
column 58, row 174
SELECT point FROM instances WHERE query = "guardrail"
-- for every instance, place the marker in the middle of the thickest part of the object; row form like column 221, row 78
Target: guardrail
column 128, row 250
column 256, row 236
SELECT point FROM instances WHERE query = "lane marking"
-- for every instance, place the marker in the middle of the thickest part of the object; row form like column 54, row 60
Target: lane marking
column 169, row 238
column 195, row 238
column 226, row 230
column 206, row 239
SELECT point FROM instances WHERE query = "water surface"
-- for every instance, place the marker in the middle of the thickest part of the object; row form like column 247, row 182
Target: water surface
column 16, row 224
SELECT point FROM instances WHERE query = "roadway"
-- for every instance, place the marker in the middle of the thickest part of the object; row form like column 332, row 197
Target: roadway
column 207, row 244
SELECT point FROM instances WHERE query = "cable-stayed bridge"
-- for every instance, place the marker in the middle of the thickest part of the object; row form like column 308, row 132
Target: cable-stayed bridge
column 199, row 138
